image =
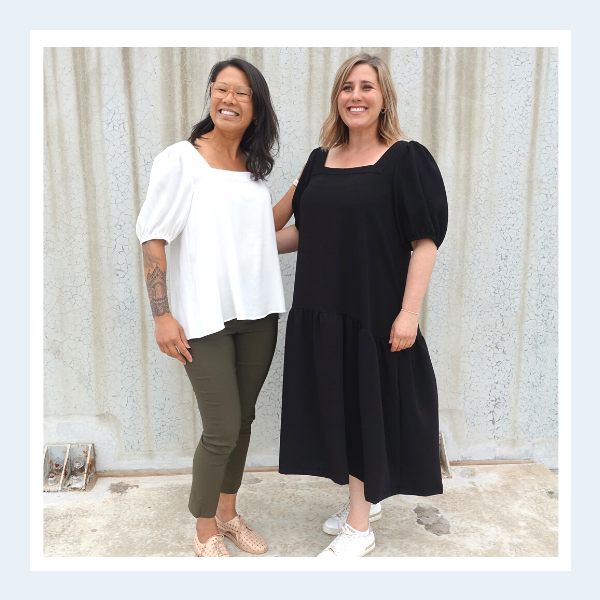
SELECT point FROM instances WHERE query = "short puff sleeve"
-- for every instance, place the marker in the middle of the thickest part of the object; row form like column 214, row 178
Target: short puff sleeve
column 169, row 197
column 302, row 183
column 419, row 196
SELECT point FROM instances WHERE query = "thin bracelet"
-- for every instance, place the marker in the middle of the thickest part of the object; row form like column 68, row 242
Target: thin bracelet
column 410, row 311
column 295, row 182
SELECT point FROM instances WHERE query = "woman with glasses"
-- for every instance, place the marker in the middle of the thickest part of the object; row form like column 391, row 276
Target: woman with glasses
column 360, row 400
column 208, row 200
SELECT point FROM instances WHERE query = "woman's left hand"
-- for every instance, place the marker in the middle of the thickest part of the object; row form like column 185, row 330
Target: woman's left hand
column 404, row 331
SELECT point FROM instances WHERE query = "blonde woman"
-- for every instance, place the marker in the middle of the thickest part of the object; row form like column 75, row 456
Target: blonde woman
column 360, row 400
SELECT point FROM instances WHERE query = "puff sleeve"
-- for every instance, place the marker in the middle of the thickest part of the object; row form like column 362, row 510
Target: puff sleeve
column 169, row 197
column 420, row 199
column 302, row 183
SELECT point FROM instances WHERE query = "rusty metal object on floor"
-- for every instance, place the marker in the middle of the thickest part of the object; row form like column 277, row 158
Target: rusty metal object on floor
column 444, row 462
column 69, row 467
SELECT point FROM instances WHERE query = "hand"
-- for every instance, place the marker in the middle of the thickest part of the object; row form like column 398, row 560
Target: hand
column 404, row 331
column 171, row 339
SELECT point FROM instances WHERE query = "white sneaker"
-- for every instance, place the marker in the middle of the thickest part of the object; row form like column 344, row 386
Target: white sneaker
column 349, row 543
column 334, row 524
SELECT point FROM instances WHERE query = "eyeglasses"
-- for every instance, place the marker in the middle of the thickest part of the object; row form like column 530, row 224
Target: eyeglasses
column 221, row 90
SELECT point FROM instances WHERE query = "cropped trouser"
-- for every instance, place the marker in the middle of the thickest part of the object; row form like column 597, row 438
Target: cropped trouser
column 227, row 373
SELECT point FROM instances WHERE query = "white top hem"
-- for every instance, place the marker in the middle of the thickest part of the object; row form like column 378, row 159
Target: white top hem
column 192, row 336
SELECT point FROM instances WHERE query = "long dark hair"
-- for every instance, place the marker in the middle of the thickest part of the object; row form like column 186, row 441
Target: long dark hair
column 261, row 136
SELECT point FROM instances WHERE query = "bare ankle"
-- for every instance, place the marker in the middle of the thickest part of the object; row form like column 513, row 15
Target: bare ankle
column 358, row 524
column 205, row 529
column 226, row 507
column 226, row 514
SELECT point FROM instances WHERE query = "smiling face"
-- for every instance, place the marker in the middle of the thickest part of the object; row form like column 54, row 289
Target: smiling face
column 228, row 114
column 360, row 100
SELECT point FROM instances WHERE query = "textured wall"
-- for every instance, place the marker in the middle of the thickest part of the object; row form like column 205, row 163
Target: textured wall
column 489, row 116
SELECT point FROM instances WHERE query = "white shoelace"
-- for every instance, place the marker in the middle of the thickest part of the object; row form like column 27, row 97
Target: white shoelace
column 345, row 537
column 343, row 514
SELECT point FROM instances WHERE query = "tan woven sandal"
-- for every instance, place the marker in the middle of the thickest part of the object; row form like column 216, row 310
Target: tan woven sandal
column 214, row 547
column 242, row 536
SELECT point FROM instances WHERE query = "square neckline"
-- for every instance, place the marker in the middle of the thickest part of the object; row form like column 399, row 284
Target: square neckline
column 225, row 173
column 374, row 166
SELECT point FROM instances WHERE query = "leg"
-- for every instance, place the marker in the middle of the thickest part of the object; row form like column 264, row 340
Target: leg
column 254, row 348
column 358, row 517
column 349, row 543
column 212, row 374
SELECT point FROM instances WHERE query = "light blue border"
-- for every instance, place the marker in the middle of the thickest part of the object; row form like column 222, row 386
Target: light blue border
column 308, row 14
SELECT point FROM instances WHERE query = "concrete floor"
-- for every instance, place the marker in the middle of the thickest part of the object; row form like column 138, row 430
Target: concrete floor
column 498, row 510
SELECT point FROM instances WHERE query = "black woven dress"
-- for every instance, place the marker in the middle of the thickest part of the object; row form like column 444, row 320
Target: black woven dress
column 350, row 405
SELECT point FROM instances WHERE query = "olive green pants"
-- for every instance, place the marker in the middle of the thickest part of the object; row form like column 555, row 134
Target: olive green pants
column 227, row 373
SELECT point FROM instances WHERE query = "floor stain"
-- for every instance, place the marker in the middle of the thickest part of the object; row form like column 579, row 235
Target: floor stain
column 430, row 517
column 120, row 488
column 249, row 479
column 468, row 473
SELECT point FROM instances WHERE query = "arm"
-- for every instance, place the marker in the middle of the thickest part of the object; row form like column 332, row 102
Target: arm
column 282, row 211
column 170, row 336
column 404, row 329
column 287, row 240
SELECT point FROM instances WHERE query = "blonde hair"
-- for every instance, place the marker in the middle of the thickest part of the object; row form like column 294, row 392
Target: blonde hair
column 334, row 131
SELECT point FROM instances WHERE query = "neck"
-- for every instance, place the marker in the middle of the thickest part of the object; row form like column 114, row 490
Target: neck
column 359, row 140
column 224, row 143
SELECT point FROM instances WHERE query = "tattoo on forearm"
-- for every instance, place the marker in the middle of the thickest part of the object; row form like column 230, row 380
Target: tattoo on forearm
column 149, row 259
column 156, row 284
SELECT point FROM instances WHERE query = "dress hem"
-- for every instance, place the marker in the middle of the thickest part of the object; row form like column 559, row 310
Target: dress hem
column 394, row 491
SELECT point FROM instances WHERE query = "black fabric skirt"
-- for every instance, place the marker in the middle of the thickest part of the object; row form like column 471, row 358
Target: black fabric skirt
column 352, row 407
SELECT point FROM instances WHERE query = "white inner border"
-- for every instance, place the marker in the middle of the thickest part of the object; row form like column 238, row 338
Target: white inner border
column 560, row 39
